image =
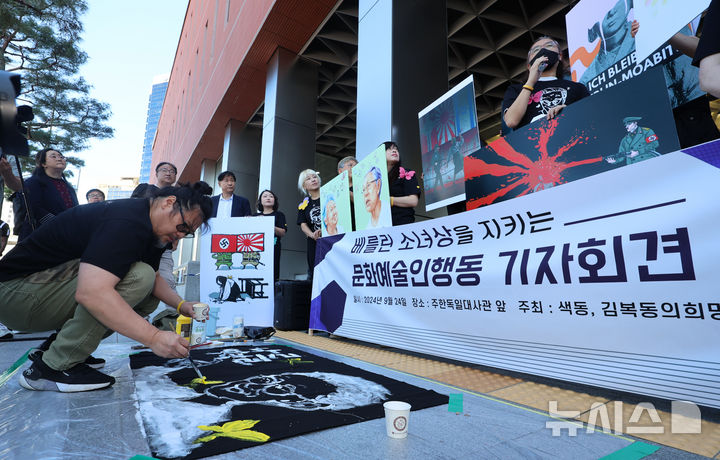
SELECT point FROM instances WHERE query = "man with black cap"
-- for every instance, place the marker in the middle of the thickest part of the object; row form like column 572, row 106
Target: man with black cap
column 638, row 144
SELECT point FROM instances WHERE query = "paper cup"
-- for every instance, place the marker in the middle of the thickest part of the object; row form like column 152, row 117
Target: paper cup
column 397, row 414
column 202, row 311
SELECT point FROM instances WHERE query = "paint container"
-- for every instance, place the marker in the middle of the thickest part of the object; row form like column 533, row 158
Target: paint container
column 183, row 327
column 201, row 311
column 238, row 326
column 212, row 321
column 397, row 414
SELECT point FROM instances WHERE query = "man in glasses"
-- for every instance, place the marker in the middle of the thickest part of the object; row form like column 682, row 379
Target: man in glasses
column 93, row 270
column 95, row 196
column 165, row 175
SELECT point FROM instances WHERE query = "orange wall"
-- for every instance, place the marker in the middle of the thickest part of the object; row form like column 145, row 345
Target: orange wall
column 219, row 72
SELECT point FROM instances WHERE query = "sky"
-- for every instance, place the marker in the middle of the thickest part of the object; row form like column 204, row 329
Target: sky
column 128, row 43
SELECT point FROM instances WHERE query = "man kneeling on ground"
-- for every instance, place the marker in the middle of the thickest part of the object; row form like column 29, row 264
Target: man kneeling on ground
column 92, row 270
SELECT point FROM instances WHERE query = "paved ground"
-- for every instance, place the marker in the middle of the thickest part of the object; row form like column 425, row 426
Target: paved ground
column 105, row 423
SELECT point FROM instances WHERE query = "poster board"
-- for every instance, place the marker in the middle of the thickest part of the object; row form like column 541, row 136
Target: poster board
column 660, row 20
column 448, row 132
column 335, row 206
column 602, row 51
column 236, row 269
column 588, row 137
column 372, row 191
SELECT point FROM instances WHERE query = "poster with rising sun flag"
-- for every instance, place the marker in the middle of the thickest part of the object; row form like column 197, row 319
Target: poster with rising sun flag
column 622, row 125
column 237, row 270
column 448, row 132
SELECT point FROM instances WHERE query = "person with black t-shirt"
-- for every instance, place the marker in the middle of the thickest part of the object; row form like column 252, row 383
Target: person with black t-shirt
column 92, row 270
column 404, row 188
column 545, row 93
column 48, row 193
column 309, row 213
column 267, row 205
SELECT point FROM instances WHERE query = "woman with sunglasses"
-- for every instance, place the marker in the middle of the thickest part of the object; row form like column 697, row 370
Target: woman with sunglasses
column 48, row 192
column 92, row 270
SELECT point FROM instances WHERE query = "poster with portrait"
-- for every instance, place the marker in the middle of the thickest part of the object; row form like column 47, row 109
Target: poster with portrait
column 602, row 51
column 371, row 191
column 335, row 206
column 448, row 132
column 236, row 269
column 660, row 20
column 623, row 125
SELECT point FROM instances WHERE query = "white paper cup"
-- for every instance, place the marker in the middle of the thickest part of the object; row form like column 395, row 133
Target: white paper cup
column 202, row 311
column 397, row 414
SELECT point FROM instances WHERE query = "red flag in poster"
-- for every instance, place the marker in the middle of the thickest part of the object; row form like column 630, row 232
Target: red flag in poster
column 251, row 242
column 224, row 243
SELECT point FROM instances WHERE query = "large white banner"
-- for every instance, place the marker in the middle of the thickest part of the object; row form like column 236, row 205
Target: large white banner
column 236, row 269
column 609, row 280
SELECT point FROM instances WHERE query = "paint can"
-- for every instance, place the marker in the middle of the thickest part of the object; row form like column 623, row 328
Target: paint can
column 212, row 321
column 183, row 326
column 201, row 311
column 238, row 326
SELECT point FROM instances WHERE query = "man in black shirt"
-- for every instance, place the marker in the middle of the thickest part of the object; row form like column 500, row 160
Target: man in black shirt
column 93, row 270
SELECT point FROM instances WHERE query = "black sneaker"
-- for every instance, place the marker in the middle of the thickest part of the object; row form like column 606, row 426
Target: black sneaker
column 80, row 377
column 95, row 363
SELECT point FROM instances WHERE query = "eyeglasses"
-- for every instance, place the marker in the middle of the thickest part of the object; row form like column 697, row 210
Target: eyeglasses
column 56, row 156
column 166, row 171
column 184, row 227
column 548, row 45
column 95, row 195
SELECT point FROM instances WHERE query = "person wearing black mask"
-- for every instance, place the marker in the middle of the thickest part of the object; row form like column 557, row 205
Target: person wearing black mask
column 545, row 93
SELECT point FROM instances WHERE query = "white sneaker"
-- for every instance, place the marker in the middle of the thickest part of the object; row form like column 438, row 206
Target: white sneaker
column 5, row 333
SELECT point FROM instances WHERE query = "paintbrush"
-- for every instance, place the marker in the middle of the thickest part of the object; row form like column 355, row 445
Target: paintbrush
column 194, row 366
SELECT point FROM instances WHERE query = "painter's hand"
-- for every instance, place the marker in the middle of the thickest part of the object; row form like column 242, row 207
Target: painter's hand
column 187, row 309
column 167, row 344
column 553, row 112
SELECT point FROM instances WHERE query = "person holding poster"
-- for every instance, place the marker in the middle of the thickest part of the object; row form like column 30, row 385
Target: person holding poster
column 545, row 93
column 404, row 187
column 267, row 205
column 308, row 217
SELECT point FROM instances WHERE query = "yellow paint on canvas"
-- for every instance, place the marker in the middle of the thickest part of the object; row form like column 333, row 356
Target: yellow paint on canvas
column 203, row 381
column 238, row 429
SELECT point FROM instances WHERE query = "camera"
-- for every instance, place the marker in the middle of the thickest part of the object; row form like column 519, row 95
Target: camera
column 13, row 136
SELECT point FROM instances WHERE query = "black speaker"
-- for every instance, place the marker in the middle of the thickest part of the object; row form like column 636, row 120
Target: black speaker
column 292, row 305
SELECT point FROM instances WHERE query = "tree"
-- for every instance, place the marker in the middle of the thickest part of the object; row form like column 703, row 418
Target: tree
column 39, row 40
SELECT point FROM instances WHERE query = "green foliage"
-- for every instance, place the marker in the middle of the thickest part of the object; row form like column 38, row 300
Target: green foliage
column 39, row 40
